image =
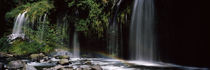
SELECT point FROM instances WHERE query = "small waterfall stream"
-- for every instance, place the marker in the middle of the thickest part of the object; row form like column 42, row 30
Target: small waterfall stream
column 114, row 48
column 18, row 25
column 142, row 40
column 43, row 27
column 76, row 47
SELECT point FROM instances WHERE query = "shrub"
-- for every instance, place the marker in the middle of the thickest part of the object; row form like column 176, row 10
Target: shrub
column 4, row 44
column 23, row 48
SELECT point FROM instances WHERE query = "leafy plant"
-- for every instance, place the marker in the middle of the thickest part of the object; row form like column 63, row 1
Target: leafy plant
column 34, row 10
column 22, row 48
column 91, row 19
column 4, row 44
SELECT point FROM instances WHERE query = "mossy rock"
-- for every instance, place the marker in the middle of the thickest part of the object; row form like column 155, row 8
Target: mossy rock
column 63, row 57
column 37, row 56
column 64, row 61
column 16, row 64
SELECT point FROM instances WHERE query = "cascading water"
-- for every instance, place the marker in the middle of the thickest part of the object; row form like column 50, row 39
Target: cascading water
column 18, row 27
column 114, row 48
column 62, row 29
column 142, row 40
column 43, row 27
column 76, row 47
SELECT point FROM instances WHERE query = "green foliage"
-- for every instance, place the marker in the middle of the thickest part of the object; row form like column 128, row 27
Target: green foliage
column 22, row 48
column 82, row 25
column 92, row 20
column 48, row 34
column 46, row 49
column 88, row 16
column 34, row 10
column 4, row 44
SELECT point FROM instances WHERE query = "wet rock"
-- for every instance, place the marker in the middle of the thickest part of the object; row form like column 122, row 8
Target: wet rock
column 37, row 56
column 66, row 68
column 16, row 64
column 86, row 68
column 45, row 59
column 88, row 63
column 64, row 61
column 79, row 69
column 54, row 68
column 54, row 60
column 28, row 67
column 96, row 67
column 61, row 54
column 42, row 60
column 5, row 55
column 10, row 58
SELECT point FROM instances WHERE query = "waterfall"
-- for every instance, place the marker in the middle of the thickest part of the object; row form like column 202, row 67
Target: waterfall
column 114, row 47
column 142, row 40
column 113, row 42
column 76, row 47
column 43, row 27
column 62, row 31
column 18, row 27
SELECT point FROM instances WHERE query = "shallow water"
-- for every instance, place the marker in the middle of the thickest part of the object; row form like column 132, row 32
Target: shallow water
column 115, row 64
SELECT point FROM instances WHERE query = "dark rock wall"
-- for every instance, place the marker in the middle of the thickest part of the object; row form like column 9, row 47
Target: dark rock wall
column 183, row 32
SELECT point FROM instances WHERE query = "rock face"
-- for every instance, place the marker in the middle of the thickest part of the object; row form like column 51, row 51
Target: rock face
column 16, row 64
column 37, row 56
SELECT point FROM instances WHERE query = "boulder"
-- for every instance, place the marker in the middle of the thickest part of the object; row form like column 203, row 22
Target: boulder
column 61, row 54
column 96, row 67
column 37, row 56
column 16, row 64
column 64, row 61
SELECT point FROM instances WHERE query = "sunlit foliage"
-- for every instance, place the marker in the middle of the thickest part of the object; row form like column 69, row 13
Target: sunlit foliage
column 34, row 10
